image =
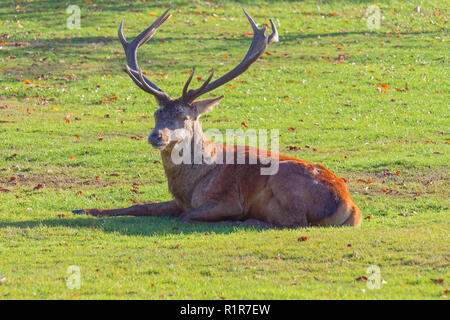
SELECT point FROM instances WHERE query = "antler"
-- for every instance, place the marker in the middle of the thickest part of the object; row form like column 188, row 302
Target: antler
column 132, row 67
column 259, row 44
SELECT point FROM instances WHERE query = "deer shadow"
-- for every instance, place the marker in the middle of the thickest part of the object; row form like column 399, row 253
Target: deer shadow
column 129, row 226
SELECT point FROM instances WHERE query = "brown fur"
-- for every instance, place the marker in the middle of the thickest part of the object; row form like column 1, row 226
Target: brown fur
column 300, row 194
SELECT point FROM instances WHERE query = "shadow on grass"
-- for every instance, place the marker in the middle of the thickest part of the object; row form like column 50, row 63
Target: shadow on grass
column 129, row 226
column 45, row 44
column 93, row 57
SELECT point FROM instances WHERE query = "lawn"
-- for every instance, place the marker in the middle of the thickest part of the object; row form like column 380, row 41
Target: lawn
column 371, row 105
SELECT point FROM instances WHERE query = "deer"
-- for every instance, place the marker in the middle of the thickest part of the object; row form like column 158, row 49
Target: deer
column 299, row 194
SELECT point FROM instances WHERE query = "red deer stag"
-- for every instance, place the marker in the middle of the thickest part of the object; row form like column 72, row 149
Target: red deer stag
column 297, row 195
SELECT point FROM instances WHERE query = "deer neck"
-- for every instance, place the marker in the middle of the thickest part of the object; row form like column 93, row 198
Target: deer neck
column 182, row 177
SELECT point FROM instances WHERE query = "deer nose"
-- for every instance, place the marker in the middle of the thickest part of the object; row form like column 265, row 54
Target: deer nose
column 155, row 138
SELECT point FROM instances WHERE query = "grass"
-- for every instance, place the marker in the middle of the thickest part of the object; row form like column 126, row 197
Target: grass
column 371, row 106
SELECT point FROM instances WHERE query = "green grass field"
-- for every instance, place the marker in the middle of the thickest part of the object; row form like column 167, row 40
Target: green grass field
column 372, row 106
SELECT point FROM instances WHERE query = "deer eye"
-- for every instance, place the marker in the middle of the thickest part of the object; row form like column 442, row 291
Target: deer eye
column 157, row 114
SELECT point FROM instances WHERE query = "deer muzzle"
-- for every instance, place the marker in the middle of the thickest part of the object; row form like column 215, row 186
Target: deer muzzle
column 155, row 139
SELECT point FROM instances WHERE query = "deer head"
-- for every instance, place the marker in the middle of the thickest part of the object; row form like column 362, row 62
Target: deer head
column 176, row 119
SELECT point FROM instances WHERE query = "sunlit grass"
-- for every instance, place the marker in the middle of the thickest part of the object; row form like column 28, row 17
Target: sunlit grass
column 368, row 105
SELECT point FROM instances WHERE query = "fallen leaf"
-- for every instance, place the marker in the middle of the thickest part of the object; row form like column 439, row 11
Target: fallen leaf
column 303, row 238
column 438, row 281
column 294, row 147
column 362, row 278
column 407, row 214
column 39, row 186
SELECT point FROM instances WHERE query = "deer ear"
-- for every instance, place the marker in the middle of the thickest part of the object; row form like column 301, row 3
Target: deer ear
column 207, row 105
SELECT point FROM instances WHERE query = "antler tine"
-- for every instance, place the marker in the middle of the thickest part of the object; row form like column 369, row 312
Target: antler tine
column 135, row 79
column 130, row 48
column 252, row 22
column 274, row 36
column 145, row 35
column 122, row 38
column 140, row 81
column 144, row 83
column 207, row 81
column 186, row 85
column 150, row 31
column 194, row 94
column 259, row 44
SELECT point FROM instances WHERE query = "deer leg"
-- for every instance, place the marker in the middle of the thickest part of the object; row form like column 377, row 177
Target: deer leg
column 195, row 217
column 147, row 209
column 212, row 211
